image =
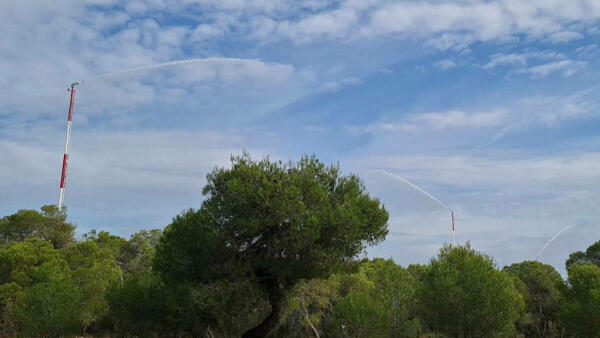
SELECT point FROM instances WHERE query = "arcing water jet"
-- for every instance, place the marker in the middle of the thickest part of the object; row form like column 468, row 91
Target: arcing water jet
column 168, row 64
column 553, row 238
column 422, row 191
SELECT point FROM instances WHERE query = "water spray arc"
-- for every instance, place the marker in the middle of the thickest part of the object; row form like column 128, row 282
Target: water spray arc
column 421, row 190
column 169, row 64
column 63, row 176
column 553, row 238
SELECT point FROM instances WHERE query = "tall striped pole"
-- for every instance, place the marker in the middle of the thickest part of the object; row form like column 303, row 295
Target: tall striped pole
column 63, row 176
column 453, row 233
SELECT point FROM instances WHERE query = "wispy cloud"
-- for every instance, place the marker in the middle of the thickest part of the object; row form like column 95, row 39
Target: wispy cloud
column 521, row 59
column 458, row 118
column 436, row 121
column 506, row 59
column 564, row 67
column 445, row 64
column 382, row 127
column 565, row 36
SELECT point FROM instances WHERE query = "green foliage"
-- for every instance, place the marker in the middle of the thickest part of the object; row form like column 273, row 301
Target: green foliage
column 579, row 312
column 309, row 308
column 40, row 299
column 463, row 294
column 148, row 307
column 10, row 296
column 93, row 269
column 276, row 240
column 139, row 307
column 542, row 295
column 30, row 262
column 591, row 256
column 276, row 223
column 377, row 301
column 139, row 251
column 48, row 225
column 49, row 309
column 50, row 292
column 382, row 306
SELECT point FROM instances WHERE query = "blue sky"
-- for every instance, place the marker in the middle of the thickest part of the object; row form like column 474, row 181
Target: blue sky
column 492, row 106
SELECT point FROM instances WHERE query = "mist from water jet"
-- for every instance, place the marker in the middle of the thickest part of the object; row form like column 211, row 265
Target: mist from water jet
column 412, row 185
column 553, row 238
column 169, row 64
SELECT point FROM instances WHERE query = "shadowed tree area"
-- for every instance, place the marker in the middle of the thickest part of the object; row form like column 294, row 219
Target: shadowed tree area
column 541, row 289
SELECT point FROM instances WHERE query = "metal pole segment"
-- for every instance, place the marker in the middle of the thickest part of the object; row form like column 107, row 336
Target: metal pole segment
column 453, row 233
column 63, row 176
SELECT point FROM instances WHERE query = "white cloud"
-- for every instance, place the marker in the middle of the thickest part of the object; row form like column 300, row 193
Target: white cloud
column 565, row 67
column 445, row 64
column 382, row 127
column 519, row 60
column 451, row 24
column 565, row 36
column 457, row 118
column 481, row 21
column 205, row 31
column 506, row 59
column 333, row 86
column 435, row 121
column 549, row 111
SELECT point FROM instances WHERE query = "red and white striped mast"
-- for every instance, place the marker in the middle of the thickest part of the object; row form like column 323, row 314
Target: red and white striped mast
column 63, row 177
column 453, row 233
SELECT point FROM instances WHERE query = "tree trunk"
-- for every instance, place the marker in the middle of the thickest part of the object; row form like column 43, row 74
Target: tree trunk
column 263, row 329
column 315, row 331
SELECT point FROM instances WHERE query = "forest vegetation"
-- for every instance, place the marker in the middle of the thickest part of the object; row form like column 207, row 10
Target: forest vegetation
column 276, row 249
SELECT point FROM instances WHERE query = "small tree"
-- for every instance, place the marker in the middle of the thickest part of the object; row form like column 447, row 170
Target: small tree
column 581, row 307
column 542, row 296
column 465, row 295
column 383, row 306
column 49, row 225
column 591, row 255
column 41, row 299
column 275, row 223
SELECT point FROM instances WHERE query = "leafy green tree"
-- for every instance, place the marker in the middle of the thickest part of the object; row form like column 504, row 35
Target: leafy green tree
column 49, row 309
column 93, row 270
column 140, row 307
column 274, row 223
column 145, row 306
column 464, row 295
column 542, row 296
column 41, row 298
column 138, row 253
column 376, row 301
column 591, row 255
column 581, row 308
column 383, row 306
column 133, row 255
column 308, row 308
column 10, row 296
column 48, row 225
column 114, row 244
column 417, row 271
column 30, row 262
